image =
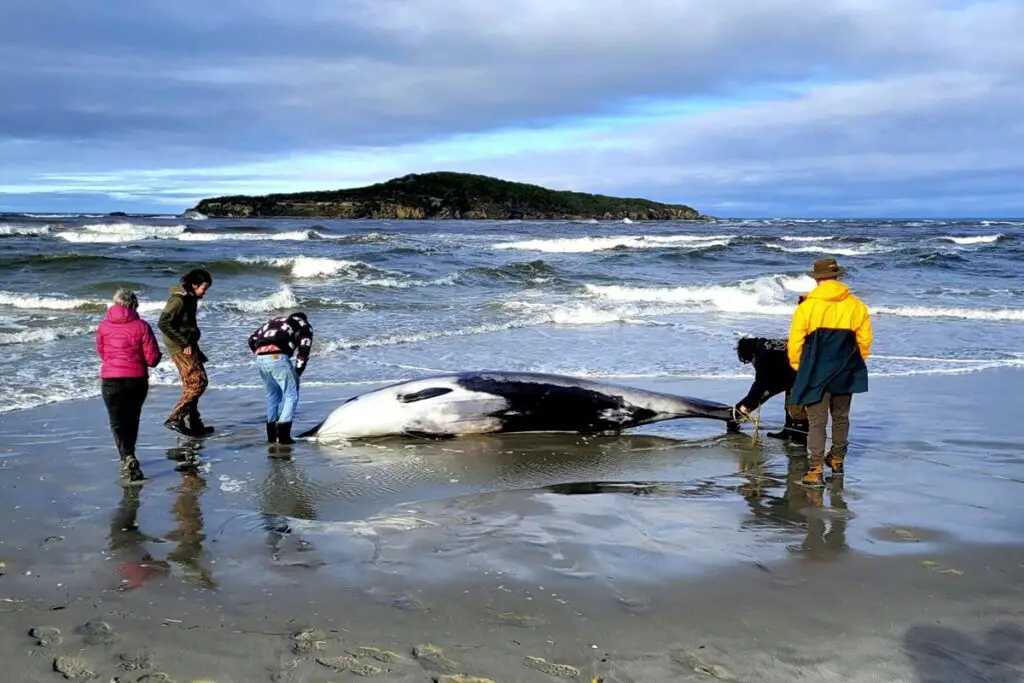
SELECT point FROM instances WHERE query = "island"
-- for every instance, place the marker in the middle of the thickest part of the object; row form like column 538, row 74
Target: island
column 443, row 195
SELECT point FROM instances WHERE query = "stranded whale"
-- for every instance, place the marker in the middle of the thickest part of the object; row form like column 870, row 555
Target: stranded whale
column 502, row 402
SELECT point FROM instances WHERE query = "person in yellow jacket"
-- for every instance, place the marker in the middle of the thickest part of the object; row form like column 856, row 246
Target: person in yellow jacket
column 829, row 339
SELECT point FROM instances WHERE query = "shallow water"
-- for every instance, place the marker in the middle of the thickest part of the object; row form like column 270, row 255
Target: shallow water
column 683, row 498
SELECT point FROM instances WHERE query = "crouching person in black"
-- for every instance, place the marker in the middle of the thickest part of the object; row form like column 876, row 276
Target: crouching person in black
column 274, row 343
column 772, row 375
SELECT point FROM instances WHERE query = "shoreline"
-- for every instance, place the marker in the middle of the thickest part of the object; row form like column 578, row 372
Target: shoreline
column 668, row 553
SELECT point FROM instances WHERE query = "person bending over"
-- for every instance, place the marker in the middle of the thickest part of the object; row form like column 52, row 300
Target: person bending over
column 772, row 375
column 830, row 337
column 274, row 343
column 127, row 348
column 181, row 337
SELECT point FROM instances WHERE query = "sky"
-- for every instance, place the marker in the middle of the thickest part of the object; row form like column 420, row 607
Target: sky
column 752, row 108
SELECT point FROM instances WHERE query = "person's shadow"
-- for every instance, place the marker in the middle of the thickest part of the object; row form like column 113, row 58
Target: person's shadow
column 941, row 654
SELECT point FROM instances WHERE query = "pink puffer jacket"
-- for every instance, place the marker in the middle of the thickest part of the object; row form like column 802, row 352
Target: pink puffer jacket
column 126, row 344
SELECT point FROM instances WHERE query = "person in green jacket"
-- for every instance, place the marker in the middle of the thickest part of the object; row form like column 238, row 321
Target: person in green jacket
column 181, row 337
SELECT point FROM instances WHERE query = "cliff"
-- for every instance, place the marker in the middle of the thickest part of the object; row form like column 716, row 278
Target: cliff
column 446, row 195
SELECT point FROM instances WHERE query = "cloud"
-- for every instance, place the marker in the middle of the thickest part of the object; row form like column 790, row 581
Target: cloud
column 777, row 105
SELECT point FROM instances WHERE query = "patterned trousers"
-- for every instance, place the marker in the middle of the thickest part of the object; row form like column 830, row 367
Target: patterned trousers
column 193, row 384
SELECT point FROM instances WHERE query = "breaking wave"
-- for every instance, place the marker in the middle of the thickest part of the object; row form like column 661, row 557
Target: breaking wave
column 568, row 245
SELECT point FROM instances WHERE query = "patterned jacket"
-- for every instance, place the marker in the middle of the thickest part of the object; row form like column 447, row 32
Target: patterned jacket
column 288, row 335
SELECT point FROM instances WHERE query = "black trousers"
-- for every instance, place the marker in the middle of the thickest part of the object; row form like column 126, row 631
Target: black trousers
column 124, row 397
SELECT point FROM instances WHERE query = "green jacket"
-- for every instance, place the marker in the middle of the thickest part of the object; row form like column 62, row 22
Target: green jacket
column 178, row 322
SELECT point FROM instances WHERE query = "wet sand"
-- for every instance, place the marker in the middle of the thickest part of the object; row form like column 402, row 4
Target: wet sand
column 676, row 553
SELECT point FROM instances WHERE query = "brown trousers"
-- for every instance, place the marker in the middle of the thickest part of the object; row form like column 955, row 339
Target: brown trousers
column 817, row 417
column 193, row 384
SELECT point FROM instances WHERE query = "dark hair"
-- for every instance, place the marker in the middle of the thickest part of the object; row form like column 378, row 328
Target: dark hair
column 746, row 348
column 194, row 278
column 298, row 314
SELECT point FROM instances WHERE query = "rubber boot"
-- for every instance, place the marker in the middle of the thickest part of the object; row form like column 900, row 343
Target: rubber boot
column 785, row 432
column 284, row 433
column 798, row 432
column 271, row 432
column 196, row 426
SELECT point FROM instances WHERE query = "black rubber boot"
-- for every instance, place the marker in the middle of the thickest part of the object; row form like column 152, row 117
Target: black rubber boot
column 798, row 432
column 271, row 432
column 785, row 432
column 196, row 425
column 284, row 433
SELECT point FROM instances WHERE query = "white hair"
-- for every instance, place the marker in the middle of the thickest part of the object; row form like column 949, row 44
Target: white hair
column 126, row 297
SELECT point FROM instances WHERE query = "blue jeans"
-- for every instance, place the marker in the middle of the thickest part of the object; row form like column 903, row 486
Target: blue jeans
column 282, row 386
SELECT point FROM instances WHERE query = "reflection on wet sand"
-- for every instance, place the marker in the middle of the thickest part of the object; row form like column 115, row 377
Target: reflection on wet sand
column 798, row 507
column 131, row 545
column 285, row 494
column 189, row 535
column 127, row 541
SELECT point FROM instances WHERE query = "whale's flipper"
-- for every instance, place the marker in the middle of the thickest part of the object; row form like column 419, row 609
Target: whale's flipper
column 312, row 432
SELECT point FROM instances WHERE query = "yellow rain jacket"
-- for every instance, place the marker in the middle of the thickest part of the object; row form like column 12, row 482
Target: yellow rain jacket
column 829, row 339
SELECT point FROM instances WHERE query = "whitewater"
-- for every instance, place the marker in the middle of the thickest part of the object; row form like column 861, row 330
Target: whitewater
column 393, row 300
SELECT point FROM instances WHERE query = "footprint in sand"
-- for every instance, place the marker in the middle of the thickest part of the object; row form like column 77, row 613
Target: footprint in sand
column 460, row 678
column 692, row 660
column 936, row 567
column 73, row 668
column 97, row 633
column 550, row 668
column 521, row 620
column 156, row 677
column 386, row 656
column 307, row 640
column 433, row 658
column 349, row 664
column 46, row 635
column 134, row 661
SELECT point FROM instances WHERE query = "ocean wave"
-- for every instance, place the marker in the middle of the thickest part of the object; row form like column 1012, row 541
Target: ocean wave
column 994, row 314
column 569, row 245
column 829, row 250
column 415, row 337
column 795, row 238
column 965, row 240
column 120, row 232
column 14, row 230
column 766, row 295
column 309, row 266
column 64, row 303
column 581, row 313
column 291, row 236
column 40, row 335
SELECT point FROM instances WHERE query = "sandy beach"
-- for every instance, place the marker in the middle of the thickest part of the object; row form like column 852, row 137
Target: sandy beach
column 674, row 553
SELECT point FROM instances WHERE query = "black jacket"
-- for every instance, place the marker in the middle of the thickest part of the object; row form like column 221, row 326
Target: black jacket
column 291, row 334
column 772, row 372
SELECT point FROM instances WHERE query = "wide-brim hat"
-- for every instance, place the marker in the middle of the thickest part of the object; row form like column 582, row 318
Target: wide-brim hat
column 826, row 268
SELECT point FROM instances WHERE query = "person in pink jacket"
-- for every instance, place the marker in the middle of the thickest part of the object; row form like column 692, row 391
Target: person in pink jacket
column 128, row 348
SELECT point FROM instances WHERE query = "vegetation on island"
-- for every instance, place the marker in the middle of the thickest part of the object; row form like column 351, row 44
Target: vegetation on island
column 446, row 195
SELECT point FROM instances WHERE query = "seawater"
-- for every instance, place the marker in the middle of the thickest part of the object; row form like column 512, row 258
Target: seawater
column 394, row 300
